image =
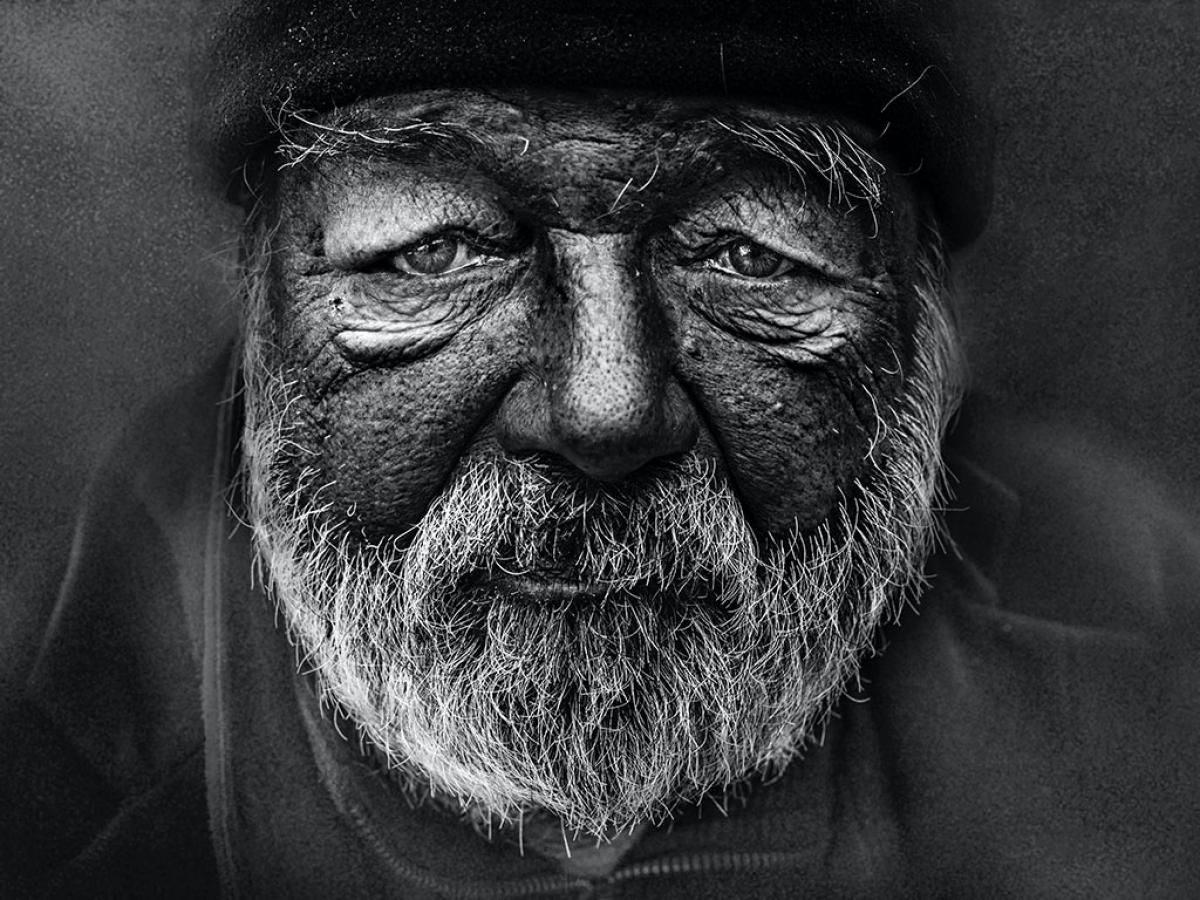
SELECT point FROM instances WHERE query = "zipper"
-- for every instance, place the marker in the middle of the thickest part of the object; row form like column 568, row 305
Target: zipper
column 477, row 890
column 599, row 889
column 740, row 861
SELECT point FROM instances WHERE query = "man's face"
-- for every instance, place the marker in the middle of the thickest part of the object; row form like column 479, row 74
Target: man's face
column 589, row 437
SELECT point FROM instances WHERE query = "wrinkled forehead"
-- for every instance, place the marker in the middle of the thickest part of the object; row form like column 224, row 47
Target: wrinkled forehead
column 593, row 161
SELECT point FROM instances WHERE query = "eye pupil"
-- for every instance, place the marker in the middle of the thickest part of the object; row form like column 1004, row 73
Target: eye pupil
column 432, row 257
column 753, row 260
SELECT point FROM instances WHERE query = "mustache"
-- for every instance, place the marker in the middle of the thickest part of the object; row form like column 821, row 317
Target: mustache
column 679, row 528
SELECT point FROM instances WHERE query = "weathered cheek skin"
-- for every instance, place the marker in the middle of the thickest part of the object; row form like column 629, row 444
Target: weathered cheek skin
column 794, row 435
column 793, row 410
column 393, row 437
column 789, row 444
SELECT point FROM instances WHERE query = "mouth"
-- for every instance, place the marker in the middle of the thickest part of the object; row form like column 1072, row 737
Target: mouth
column 558, row 591
column 546, row 588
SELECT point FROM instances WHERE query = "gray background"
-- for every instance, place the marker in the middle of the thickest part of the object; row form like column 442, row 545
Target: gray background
column 1080, row 304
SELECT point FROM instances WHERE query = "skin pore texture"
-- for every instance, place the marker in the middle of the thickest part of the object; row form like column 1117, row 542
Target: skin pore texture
column 590, row 437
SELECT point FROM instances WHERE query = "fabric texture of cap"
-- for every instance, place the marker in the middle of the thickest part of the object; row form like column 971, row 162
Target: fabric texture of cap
column 898, row 66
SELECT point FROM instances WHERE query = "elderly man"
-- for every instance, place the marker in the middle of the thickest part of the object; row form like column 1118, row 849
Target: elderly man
column 583, row 448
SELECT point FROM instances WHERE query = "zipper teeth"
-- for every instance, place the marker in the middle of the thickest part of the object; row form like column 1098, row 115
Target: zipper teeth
column 707, row 862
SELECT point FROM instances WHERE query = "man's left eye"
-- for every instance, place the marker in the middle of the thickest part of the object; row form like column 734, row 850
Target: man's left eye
column 750, row 260
column 440, row 255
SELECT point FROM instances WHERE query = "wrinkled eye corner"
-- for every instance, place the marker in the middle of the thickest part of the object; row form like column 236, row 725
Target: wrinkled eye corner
column 748, row 259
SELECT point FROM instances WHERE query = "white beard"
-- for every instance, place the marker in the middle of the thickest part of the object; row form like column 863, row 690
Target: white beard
column 708, row 656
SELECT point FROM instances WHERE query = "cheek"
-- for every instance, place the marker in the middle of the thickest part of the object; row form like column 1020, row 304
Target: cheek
column 386, row 440
column 794, row 438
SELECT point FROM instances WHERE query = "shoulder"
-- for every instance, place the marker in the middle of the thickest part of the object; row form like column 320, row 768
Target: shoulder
column 1038, row 707
column 1075, row 530
column 106, row 741
column 120, row 656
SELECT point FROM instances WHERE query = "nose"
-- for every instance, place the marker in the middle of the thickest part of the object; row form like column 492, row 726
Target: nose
column 600, row 393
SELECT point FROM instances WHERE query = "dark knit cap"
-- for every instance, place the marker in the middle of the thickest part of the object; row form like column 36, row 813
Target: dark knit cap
column 898, row 66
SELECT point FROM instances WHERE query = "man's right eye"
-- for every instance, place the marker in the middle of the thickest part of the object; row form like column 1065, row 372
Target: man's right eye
column 440, row 255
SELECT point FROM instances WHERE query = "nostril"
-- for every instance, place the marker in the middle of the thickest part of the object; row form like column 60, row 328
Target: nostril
column 605, row 444
column 612, row 444
column 612, row 465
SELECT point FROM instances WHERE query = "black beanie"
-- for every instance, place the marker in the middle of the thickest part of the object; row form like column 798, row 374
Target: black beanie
column 898, row 66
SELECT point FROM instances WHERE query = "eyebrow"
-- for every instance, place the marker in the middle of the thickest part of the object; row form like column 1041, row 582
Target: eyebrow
column 306, row 138
column 827, row 151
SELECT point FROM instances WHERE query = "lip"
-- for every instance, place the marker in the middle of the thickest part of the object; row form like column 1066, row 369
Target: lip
column 547, row 589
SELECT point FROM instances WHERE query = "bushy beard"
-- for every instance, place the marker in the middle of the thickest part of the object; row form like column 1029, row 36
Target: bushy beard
column 701, row 654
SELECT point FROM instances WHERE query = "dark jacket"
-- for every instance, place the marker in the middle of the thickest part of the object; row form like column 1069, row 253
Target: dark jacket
column 1032, row 729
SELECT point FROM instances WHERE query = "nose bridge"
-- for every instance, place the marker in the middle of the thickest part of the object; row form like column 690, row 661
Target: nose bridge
column 604, row 399
column 614, row 366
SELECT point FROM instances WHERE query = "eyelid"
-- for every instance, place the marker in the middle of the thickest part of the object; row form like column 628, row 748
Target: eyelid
column 806, row 258
column 801, row 257
column 351, row 240
column 384, row 222
column 463, row 236
column 473, row 242
column 774, row 215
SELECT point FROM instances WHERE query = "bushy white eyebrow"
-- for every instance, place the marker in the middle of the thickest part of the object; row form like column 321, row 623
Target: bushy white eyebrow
column 851, row 173
column 306, row 137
